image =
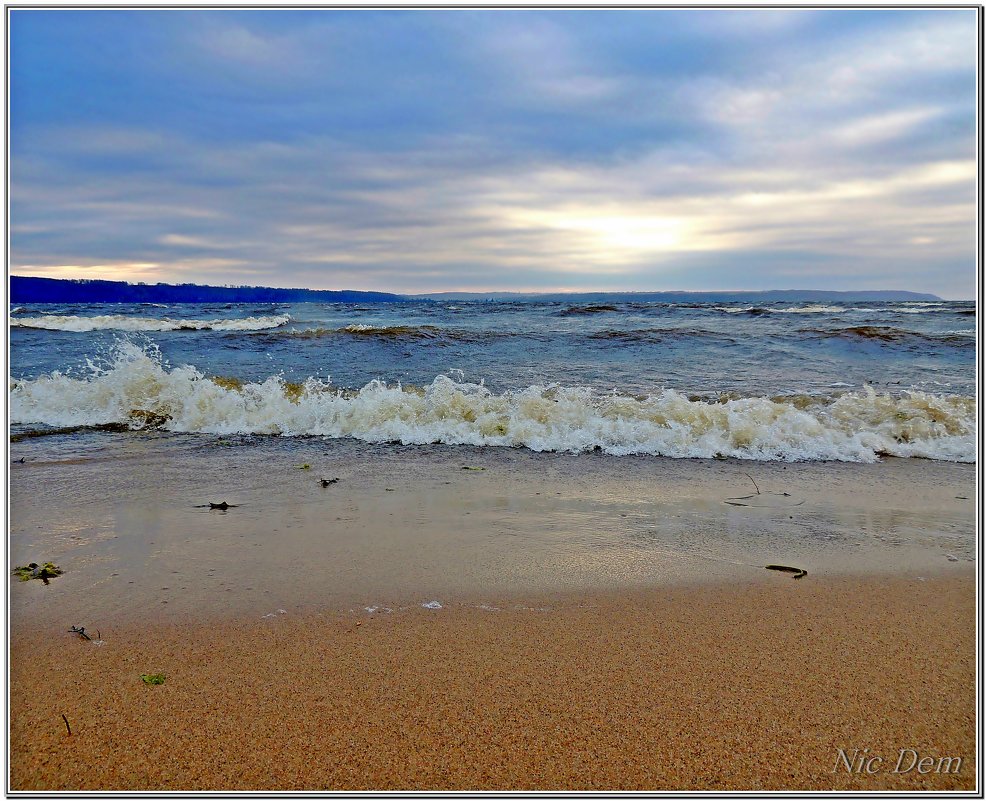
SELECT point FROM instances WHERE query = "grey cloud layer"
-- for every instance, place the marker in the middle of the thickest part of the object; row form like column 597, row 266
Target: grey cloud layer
column 525, row 152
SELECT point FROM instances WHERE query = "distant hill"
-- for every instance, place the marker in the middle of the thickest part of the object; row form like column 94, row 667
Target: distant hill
column 767, row 296
column 59, row 290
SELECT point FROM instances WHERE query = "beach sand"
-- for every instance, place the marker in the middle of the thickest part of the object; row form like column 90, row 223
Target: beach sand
column 606, row 623
column 754, row 686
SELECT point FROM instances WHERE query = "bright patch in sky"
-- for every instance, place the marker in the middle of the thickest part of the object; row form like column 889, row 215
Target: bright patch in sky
column 497, row 149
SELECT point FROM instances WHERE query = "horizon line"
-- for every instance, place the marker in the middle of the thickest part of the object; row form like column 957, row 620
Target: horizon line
column 485, row 291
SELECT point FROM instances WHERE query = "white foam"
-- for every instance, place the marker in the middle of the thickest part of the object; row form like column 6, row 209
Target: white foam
column 856, row 426
column 812, row 309
column 120, row 322
column 809, row 309
column 431, row 605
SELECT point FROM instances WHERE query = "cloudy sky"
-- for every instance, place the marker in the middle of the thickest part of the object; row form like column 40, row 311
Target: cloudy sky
column 496, row 150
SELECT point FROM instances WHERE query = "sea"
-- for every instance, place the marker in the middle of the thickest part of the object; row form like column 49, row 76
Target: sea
column 853, row 382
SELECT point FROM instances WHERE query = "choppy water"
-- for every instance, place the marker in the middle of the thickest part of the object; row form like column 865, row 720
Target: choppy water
column 788, row 381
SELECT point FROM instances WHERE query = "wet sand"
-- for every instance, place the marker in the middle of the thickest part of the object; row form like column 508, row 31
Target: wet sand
column 754, row 686
column 606, row 623
column 128, row 519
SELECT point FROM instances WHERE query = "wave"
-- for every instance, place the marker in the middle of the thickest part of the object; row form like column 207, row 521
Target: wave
column 654, row 335
column 120, row 322
column 826, row 309
column 393, row 331
column 812, row 309
column 389, row 333
column 575, row 311
column 912, row 307
column 139, row 390
column 889, row 334
column 754, row 311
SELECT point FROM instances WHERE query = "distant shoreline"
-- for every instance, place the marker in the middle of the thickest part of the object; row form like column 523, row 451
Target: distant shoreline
column 24, row 289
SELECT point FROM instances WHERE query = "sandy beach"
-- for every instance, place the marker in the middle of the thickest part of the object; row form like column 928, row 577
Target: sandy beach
column 747, row 687
column 605, row 623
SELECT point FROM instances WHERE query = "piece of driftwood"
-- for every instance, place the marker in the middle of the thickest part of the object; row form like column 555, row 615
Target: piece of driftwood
column 798, row 571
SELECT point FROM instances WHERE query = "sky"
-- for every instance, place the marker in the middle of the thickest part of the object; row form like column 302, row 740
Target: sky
column 422, row 151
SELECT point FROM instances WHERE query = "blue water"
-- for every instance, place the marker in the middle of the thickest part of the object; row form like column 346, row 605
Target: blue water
column 789, row 381
column 634, row 348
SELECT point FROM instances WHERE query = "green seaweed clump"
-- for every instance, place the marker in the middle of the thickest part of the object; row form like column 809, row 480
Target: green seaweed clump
column 152, row 678
column 35, row 571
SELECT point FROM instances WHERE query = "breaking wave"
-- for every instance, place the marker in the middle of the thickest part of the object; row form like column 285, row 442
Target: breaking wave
column 756, row 311
column 812, row 309
column 120, row 322
column 137, row 389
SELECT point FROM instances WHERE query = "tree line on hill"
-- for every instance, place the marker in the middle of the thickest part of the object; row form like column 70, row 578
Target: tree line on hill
column 61, row 290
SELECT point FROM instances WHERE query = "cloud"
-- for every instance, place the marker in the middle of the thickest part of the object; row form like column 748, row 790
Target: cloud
column 413, row 151
column 540, row 62
column 236, row 43
column 321, row 204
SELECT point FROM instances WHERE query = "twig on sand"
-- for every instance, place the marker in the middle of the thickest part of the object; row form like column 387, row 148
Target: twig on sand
column 81, row 631
column 754, row 482
column 66, row 724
